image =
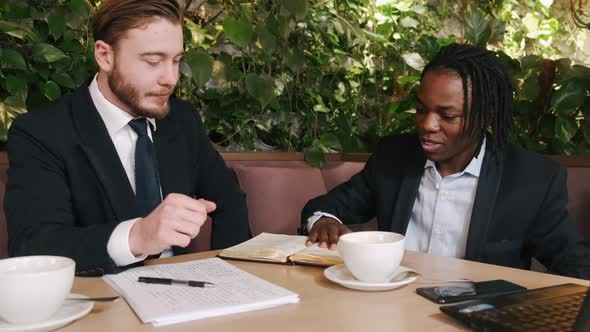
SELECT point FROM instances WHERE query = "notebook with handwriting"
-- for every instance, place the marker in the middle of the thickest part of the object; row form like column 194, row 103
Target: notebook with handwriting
column 281, row 248
column 233, row 291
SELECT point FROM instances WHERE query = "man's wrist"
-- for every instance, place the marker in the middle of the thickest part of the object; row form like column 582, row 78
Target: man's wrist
column 118, row 246
column 317, row 216
column 134, row 239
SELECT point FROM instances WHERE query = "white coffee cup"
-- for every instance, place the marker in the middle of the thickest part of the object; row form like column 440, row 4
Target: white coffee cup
column 32, row 288
column 371, row 256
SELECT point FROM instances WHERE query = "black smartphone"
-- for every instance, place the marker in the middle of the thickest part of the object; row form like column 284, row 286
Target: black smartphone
column 469, row 290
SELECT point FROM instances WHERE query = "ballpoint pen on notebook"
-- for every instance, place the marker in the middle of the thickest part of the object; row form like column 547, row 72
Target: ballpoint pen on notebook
column 168, row 281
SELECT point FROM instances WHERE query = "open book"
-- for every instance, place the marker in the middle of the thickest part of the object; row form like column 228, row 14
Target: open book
column 280, row 248
column 233, row 291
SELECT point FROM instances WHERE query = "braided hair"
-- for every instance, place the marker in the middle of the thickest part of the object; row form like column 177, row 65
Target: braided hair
column 491, row 89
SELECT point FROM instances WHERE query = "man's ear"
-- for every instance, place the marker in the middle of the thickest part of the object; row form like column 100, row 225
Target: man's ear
column 104, row 56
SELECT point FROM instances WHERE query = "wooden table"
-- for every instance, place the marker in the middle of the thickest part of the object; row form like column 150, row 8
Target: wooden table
column 324, row 306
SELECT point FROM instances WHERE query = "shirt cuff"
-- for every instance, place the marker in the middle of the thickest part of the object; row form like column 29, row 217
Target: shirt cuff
column 316, row 216
column 118, row 245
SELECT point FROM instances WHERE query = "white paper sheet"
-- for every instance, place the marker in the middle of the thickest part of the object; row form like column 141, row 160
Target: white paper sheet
column 234, row 291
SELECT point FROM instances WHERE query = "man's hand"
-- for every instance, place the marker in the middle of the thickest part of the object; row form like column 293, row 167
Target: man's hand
column 175, row 222
column 326, row 231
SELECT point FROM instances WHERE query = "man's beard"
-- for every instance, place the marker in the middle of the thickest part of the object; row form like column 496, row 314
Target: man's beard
column 129, row 96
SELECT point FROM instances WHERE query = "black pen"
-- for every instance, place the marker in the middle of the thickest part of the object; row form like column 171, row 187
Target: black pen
column 168, row 281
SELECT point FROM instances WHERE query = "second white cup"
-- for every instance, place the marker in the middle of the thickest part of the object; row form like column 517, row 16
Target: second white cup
column 371, row 256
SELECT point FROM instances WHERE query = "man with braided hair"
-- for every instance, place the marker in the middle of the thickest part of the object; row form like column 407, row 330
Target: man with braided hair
column 457, row 187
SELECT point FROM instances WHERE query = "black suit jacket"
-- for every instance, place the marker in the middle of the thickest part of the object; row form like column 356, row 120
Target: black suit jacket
column 520, row 208
column 67, row 189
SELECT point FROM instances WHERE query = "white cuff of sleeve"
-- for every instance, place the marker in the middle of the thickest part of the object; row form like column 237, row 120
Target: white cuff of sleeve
column 316, row 216
column 118, row 245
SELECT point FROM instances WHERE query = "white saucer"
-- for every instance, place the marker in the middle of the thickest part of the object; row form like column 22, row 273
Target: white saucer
column 340, row 275
column 67, row 313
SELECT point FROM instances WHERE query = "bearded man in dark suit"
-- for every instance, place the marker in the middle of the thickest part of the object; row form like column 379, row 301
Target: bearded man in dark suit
column 119, row 171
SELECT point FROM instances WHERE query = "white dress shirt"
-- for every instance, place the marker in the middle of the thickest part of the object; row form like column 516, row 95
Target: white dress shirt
column 124, row 138
column 441, row 214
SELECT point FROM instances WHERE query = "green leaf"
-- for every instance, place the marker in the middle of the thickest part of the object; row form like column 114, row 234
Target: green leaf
column 261, row 88
column 477, row 29
column 497, row 31
column 530, row 88
column 283, row 29
column 57, row 25
column 524, row 107
column 408, row 22
column 9, row 109
column 63, row 79
column 297, row 8
column 10, row 58
column 17, row 30
column 414, row 60
column 201, row 65
column 586, row 131
column 19, row 10
column 375, row 36
column 80, row 73
column 408, row 79
column 531, row 24
column 51, row 90
column 530, row 62
column 239, row 31
column 314, row 156
column 43, row 52
column 82, row 8
column 579, row 71
column 565, row 129
column 320, row 108
column 198, row 34
column 569, row 97
column 267, row 40
column 230, row 73
column 331, row 141
column 17, row 86
column 295, row 59
column 393, row 107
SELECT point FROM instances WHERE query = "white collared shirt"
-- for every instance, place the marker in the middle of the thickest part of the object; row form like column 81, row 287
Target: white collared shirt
column 124, row 138
column 441, row 214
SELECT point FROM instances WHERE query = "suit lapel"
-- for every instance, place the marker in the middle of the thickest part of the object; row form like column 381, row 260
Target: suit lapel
column 408, row 189
column 485, row 200
column 96, row 144
column 172, row 157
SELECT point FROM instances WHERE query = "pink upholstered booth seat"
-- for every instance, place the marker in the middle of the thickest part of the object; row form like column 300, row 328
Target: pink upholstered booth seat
column 277, row 190
column 578, row 187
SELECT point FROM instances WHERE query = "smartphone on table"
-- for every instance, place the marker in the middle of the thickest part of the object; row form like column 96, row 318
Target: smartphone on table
column 464, row 291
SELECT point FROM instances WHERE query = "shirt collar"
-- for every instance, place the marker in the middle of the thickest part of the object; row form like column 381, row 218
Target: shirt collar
column 113, row 117
column 473, row 168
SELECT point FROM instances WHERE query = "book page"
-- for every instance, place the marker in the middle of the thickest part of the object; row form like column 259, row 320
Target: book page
column 234, row 291
column 317, row 256
column 267, row 246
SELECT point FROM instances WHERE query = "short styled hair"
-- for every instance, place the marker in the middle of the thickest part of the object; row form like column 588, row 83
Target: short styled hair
column 491, row 89
column 115, row 17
